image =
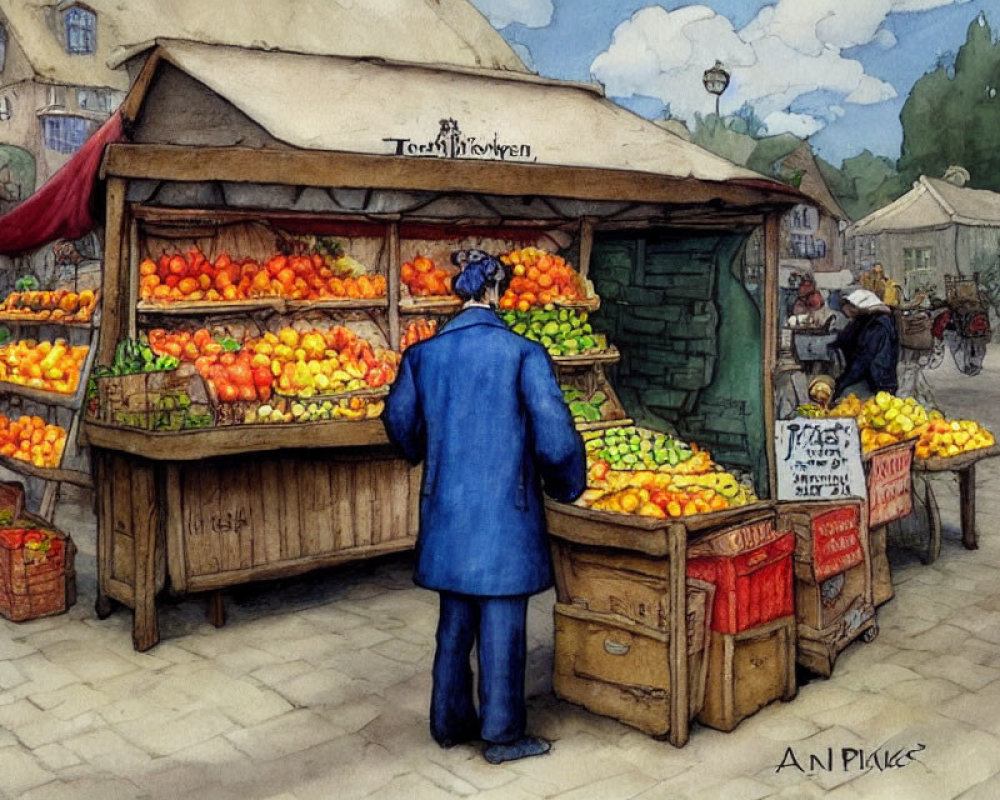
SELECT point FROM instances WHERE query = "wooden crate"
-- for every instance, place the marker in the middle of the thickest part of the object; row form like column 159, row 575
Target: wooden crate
column 144, row 401
column 748, row 670
column 615, row 667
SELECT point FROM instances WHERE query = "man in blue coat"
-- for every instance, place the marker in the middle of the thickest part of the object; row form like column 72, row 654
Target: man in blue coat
column 481, row 407
column 870, row 345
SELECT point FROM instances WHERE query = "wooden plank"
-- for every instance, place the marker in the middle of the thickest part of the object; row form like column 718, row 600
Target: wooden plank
column 40, row 395
column 200, row 490
column 229, row 440
column 363, row 509
column 586, row 245
column 176, row 563
column 399, row 527
column 772, row 244
column 955, row 463
column 133, row 276
column 313, row 508
column 413, row 510
column 76, row 477
column 395, row 261
column 145, row 625
column 269, row 532
column 677, row 646
column 257, row 532
column 297, row 566
column 343, row 508
column 123, row 524
column 291, row 542
column 114, row 290
column 967, row 506
column 103, row 474
column 354, row 170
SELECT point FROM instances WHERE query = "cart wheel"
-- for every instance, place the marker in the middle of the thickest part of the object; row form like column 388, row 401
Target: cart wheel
column 921, row 530
column 870, row 635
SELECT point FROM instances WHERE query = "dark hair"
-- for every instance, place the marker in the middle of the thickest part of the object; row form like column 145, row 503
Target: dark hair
column 479, row 269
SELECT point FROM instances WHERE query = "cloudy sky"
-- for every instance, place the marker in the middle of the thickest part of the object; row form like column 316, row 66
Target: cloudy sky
column 835, row 70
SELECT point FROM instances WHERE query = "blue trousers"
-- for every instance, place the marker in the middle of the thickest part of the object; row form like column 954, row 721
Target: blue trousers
column 497, row 626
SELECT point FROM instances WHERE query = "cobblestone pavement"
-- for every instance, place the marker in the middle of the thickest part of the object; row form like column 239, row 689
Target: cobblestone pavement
column 318, row 688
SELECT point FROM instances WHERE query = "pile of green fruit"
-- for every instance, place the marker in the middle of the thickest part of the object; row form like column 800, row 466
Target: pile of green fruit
column 583, row 409
column 561, row 331
column 133, row 357
column 632, row 448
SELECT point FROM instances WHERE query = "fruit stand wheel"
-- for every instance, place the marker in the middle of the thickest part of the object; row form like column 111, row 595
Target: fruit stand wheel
column 921, row 530
column 870, row 635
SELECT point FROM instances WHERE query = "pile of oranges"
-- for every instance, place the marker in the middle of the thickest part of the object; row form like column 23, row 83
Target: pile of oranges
column 47, row 366
column 230, row 374
column 425, row 279
column 60, row 305
column 193, row 278
column 942, row 438
column 30, row 439
column 539, row 278
column 417, row 331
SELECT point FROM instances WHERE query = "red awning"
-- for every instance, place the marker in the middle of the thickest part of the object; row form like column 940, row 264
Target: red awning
column 61, row 209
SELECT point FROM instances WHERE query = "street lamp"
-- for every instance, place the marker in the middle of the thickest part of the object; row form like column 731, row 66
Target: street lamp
column 716, row 79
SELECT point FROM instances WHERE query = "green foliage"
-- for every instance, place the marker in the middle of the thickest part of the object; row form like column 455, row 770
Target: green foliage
column 868, row 182
column 951, row 116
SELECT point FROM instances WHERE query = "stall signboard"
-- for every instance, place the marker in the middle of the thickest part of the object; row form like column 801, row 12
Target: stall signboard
column 819, row 459
column 836, row 542
column 889, row 495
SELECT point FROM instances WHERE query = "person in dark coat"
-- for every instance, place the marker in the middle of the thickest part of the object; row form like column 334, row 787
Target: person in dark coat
column 870, row 344
column 481, row 407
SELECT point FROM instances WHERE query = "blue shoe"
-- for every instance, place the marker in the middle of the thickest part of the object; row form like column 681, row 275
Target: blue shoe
column 525, row 747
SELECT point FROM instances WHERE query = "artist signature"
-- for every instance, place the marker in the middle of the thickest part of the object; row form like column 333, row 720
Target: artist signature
column 848, row 759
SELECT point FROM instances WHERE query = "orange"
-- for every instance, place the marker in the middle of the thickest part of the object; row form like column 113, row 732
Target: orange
column 188, row 285
column 147, row 267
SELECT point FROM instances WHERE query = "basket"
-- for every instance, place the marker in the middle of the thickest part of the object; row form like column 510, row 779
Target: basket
column 37, row 578
column 915, row 329
column 172, row 400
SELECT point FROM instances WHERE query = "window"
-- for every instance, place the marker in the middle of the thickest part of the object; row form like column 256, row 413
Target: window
column 3, row 47
column 918, row 267
column 81, row 30
column 65, row 134
column 93, row 99
column 57, row 96
column 5, row 109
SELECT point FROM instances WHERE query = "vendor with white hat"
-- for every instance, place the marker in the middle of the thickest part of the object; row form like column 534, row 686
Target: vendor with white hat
column 870, row 344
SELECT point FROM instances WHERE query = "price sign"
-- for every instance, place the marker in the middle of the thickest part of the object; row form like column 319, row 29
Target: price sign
column 889, row 486
column 819, row 459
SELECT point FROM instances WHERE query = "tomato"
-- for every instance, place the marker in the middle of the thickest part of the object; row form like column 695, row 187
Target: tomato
column 247, row 393
column 262, row 377
column 227, row 392
column 241, row 374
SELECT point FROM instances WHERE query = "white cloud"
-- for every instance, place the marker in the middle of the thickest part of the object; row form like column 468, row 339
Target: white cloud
column 530, row 13
column 788, row 50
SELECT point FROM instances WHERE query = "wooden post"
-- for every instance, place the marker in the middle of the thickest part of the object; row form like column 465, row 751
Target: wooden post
column 217, row 609
column 967, row 506
column 586, row 246
column 772, row 243
column 678, row 645
column 392, row 283
column 145, row 516
column 115, row 287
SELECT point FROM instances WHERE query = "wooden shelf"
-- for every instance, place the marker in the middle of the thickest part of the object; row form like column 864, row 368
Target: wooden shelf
column 955, row 463
column 603, row 424
column 610, row 356
column 42, row 396
column 429, row 305
column 46, row 473
column 17, row 319
column 201, row 443
column 244, row 306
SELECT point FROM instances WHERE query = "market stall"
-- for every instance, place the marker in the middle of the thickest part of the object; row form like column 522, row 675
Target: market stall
column 237, row 275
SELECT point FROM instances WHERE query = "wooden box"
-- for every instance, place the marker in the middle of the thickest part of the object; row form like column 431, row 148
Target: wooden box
column 154, row 401
column 881, row 575
column 37, row 577
column 748, row 670
column 615, row 667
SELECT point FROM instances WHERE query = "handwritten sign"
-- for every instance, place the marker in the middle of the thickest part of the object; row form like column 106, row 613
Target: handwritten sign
column 819, row 459
column 450, row 142
column 836, row 542
column 889, row 486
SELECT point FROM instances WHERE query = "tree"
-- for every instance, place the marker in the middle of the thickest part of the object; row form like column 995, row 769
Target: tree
column 952, row 116
column 867, row 182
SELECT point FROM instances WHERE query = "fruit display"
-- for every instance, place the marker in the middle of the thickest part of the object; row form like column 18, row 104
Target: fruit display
column 562, row 331
column 633, row 448
column 301, row 364
column 417, row 331
column 61, row 305
column 638, row 471
column 942, row 438
column 30, row 439
column 47, row 366
column 193, row 278
column 539, row 278
column 344, row 408
column 134, row 357
column 884, row 420
column 583, row 408
column 424, row 278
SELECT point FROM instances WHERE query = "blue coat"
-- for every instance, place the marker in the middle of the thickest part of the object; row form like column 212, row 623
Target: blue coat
column 481, row 407
column 870, row 345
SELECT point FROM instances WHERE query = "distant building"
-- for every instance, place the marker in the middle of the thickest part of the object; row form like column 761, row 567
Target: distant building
column 940, row 227
column 56, row 85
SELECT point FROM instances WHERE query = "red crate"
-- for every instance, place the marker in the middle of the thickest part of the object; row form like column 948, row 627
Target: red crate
column 751, row 588
column 33, row 579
